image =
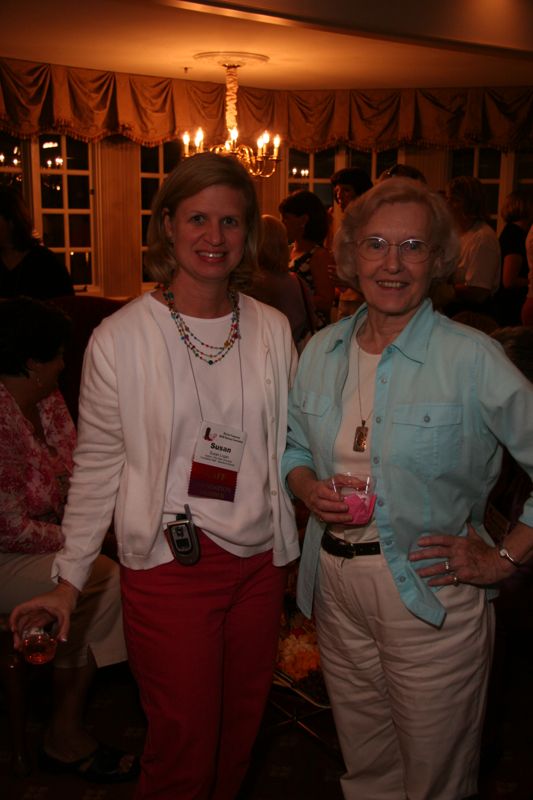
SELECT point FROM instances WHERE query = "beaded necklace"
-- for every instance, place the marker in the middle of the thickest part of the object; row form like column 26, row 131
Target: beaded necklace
column 213, row 353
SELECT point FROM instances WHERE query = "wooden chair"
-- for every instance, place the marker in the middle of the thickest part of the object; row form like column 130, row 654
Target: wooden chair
column 12, row 677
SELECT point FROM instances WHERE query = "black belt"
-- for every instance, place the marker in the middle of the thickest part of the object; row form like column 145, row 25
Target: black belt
column 337, row 547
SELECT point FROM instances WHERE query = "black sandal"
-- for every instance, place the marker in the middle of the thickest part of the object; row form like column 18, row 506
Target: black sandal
column 103, row 765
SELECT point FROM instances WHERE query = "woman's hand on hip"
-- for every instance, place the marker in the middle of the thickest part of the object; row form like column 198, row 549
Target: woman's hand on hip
column 462, row 559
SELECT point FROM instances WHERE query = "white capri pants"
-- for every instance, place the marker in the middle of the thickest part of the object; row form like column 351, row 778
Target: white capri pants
column 408, row 698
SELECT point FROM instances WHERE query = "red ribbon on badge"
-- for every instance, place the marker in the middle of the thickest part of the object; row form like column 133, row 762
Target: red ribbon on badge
column 214, row 482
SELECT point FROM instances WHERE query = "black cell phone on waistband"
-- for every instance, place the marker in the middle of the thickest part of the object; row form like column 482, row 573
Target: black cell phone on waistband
column 182, row 539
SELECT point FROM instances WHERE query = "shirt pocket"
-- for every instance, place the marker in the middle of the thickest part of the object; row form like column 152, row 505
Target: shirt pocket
column 427, row 438
column 314, row 404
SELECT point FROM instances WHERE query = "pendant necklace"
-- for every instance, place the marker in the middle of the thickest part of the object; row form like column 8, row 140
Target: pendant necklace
column 361, row 432
column 209, row 353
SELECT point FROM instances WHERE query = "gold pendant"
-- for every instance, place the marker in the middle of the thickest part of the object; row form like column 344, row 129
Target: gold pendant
column 360, row 439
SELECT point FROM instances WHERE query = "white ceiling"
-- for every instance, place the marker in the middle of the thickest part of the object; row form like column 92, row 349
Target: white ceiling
column 370, row 44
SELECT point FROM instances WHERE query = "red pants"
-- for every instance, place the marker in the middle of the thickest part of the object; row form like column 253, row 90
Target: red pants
column 202, row 643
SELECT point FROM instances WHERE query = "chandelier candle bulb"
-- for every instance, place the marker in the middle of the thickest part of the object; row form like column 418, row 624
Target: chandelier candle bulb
column 186, row 141
column 199, row 141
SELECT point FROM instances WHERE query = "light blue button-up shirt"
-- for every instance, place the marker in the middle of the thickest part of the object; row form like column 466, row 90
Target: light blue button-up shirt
column 447, row 399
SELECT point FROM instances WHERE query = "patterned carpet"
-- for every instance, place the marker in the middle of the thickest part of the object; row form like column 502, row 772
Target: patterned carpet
column 290, row 763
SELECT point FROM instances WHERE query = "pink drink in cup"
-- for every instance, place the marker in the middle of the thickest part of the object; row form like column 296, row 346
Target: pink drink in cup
column 358, row 494
column 361, row 506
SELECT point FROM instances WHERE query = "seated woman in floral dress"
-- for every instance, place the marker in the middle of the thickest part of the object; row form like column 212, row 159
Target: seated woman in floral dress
column 37, row 439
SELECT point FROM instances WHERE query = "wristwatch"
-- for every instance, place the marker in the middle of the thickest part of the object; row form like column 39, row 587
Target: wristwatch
column 504, row 553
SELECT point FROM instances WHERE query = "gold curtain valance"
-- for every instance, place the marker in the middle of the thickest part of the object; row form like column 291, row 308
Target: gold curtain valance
column 91, row 104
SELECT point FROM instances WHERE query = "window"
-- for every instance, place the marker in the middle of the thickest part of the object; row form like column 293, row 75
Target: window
column 155, row 164
column 524, row 169
column 483, row 163
column 66, row 207
column 374, row 163
column 11, row 160
column 312, row 171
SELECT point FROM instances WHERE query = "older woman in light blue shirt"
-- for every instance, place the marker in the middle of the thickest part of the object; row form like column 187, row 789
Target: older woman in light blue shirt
column 422, row 406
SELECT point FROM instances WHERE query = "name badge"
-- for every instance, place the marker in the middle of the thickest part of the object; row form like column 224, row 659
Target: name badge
column 216, row 463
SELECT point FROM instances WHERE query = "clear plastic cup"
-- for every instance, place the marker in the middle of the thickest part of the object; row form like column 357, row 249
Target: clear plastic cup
column 38, row 646
column 357, row 491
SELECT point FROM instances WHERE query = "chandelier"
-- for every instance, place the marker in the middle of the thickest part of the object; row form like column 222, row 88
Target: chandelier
column 261, row 162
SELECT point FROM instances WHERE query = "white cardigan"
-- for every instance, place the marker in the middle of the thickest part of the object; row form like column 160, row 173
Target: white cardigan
column 127, row 406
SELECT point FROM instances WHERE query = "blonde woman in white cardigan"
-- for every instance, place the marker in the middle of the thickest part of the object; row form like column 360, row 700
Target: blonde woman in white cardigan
column 183, row 417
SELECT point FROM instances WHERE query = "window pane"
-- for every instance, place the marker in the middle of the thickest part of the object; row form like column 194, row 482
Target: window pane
column 489, row 163
column 325, row 163
column 298, row 164
column 146, row 276
column 61, row 257
column 386, row 160
column 145, row 220
column 78, row 191
column 361, row 160
column 524, row 165
column 149, row 187
column 296, row 187
column 53, row 232
column 77, row 154
column 11, row 179
column 10, row 151
column 324, row 191
column 149, row 159
column 171, row 155
column 79, row 226
column 52, row 191
column 462, row 162
column 81, row 268
column 491, row 191
column 50, row 151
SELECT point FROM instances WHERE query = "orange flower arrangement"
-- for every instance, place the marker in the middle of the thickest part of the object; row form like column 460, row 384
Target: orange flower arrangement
column 298, row 649
column 298, row 654
column 298, row 661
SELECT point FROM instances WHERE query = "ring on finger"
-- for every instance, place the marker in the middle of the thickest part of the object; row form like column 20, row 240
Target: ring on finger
column 455, row 580
column 446, row 566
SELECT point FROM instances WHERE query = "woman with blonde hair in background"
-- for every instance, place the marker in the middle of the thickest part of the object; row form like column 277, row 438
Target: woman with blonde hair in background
column 276, row 286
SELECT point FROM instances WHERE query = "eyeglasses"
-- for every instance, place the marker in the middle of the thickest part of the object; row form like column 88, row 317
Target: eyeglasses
column 374, row 248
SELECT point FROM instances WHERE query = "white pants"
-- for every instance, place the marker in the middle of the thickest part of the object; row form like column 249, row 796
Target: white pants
column 408, row 698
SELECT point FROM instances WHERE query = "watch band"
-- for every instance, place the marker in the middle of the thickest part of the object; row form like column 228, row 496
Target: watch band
column 504, row 553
